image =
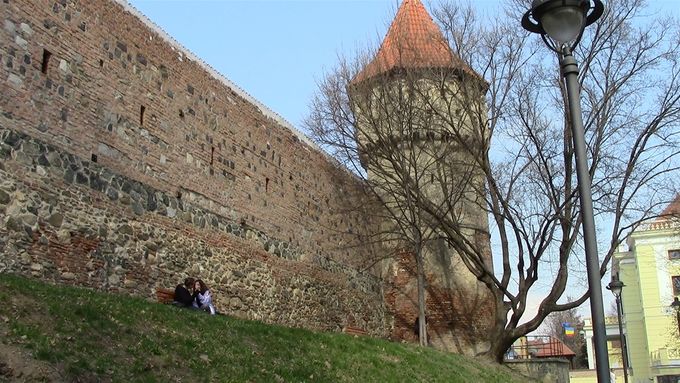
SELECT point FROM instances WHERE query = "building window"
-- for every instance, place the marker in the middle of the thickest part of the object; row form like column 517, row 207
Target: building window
column 674, row 254
column 676, row 284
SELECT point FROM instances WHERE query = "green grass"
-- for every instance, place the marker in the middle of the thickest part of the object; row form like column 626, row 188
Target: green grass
column 93, row 336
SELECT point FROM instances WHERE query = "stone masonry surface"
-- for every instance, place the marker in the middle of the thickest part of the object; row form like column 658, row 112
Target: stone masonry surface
column 87, row 231
column 127, row 166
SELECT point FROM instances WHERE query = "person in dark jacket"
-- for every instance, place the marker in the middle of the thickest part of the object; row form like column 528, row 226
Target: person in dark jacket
column 183, row 296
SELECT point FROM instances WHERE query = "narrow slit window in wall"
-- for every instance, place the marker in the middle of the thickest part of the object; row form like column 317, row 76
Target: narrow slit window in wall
column 142, row 109
column 212, row 155
column 266, row 185
column 45, row 60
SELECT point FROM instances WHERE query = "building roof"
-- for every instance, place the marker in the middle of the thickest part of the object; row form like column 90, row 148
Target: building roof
column 553, row 348
column 673, row 208
column 413, row 41
column 668, row 219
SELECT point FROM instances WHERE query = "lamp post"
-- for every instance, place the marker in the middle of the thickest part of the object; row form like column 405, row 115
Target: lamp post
column 560, row 24
column 676, row 306
column 616, row 286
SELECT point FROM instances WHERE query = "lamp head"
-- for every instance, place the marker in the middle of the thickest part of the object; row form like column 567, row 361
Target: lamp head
column 563, row 21
column 615, row 286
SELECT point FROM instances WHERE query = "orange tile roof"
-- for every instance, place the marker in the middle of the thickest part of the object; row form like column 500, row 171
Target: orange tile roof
column 554, row 347
column 673, row 208
column 413, row 41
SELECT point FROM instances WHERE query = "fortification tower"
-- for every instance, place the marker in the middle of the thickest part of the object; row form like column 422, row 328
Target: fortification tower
column 420, row 115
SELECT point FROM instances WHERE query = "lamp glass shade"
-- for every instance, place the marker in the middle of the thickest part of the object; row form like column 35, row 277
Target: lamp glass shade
column 563, row 24
column 615, row 287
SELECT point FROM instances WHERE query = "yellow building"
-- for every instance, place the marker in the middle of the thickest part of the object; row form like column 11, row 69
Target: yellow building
column 649, row 266
column 613, row 350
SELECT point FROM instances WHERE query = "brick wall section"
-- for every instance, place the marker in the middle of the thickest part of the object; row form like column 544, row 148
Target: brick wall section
column 459, row 315
column 128, row 165
column 107, row 68
column 72, row 221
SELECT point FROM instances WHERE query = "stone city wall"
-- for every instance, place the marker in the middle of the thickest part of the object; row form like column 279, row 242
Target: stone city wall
column 128, row 164
column 544, row 370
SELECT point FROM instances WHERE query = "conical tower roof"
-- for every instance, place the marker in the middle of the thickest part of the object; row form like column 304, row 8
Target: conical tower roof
column 413, row 41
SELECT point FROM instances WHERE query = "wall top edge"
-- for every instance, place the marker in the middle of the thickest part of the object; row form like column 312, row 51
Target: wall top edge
column 217, row 75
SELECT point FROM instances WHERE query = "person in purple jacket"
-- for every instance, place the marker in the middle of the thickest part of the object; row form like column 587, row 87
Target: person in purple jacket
column 203, row 298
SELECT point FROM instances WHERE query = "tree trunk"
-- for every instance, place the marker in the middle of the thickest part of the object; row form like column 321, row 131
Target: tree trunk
column 500, row 339
column 500, row 342
column 499, row 346
column 422, row 322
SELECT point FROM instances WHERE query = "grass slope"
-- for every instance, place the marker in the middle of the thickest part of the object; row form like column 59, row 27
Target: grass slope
column 83, row 335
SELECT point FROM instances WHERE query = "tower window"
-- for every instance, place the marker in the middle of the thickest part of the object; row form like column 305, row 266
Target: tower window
column 142, row 109
column 266, row 185
column 45, row 60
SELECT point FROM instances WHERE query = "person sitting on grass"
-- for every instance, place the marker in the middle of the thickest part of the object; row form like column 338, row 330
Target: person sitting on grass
column 183, row 295
column 202, row 297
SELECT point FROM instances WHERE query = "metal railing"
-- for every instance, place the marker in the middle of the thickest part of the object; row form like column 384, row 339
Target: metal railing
column 538, row 346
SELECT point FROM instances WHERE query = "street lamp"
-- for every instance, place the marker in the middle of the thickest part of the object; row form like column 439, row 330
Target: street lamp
column 560, row 24
column 676, row 306
column 615, row 286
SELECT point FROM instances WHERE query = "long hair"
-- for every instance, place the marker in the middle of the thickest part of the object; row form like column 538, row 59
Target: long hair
column 204, row 287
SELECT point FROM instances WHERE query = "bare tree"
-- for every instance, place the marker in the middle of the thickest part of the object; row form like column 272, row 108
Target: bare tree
column 555, row 324
column 612, row 310
column 517, row 151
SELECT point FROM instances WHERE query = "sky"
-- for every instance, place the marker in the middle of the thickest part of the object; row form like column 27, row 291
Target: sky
column 277, row 50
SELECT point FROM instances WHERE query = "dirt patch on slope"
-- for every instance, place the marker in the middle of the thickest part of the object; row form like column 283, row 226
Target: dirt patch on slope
column 17, row 365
